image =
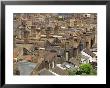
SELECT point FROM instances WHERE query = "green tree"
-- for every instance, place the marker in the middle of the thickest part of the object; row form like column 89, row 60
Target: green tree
column 93, row 72
column 78, row 72
column 86, row 68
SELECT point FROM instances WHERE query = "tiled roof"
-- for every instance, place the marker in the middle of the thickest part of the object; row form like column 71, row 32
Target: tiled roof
column 27, row 57
column 56, row 41
column 59, row 71
column 16, row 52
column 49, row 56
column 45, row 72
column 89, row 52
column 25, row 67
column 75, row 61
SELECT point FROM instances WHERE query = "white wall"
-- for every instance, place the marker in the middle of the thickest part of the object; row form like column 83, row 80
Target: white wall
column 90, row 58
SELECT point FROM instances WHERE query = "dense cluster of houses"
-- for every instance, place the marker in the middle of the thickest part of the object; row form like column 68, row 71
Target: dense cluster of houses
column 51, row 43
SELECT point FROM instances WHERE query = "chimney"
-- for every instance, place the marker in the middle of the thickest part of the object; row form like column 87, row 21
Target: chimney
column 67, row 55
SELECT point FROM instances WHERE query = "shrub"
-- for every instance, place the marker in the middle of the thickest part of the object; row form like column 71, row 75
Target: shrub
column 86, row 68
column 72, row 71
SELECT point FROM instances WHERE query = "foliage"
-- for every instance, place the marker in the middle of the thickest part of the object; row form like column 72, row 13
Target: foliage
column 93, row 72
column 86, row 68
column 78, row 72
column 72, row 71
